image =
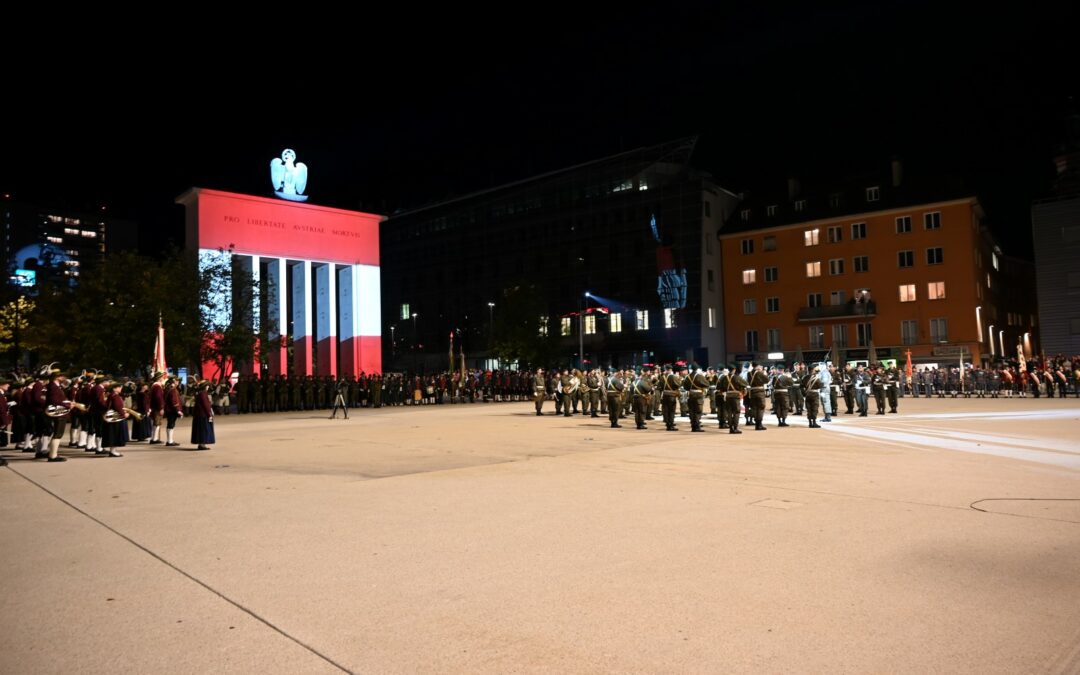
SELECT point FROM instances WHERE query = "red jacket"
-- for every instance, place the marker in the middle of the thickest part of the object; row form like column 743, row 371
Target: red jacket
column 202, row 405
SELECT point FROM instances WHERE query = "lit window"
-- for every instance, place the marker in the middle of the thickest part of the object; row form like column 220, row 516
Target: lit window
column 564, row 326
column 543, row 324
column 813, row 269
column 643, row 319
column 935, row 290
column 747, row 246
column 987, row 281
column 590, row 325
column 836, row 266
column 55, row 240
column 88, row 234
column 669, row 318
column 907, row 292
column 749, row 276
column 994, row 261
column 903, row 224
column 615, row 322
column 55, row 219
column 643, row 185
column 932, row 220
column 68, row 230
column 749, row 306
column 873, row 194
column 810, row 237
column 712, row 317
column 858, row 230
column 772, row 305
column 405, row 313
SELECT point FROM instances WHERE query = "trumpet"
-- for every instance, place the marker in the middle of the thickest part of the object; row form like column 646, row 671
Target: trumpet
column 135, row 415
column 113, row 416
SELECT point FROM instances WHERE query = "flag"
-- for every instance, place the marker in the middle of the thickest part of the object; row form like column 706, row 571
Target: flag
column 1020, row 357
column 451, row 370
column 158, row 364
column 908, row 369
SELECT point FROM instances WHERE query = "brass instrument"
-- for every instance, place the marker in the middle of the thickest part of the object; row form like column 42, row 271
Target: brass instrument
column 64, row 410
column 135, row 414
column 113, row 416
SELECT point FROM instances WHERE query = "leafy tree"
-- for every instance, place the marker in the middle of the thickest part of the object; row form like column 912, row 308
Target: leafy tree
column 517, row 327
column 16, row 315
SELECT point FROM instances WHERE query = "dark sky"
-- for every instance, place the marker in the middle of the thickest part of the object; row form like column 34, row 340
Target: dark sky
column 402, row 108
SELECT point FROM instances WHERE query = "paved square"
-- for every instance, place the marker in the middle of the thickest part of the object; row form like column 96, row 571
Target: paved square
column 484, row 539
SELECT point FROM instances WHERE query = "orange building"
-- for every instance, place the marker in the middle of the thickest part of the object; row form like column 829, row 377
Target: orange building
column 889, row 271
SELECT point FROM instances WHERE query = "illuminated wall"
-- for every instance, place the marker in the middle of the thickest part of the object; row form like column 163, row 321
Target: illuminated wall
column 335, row 323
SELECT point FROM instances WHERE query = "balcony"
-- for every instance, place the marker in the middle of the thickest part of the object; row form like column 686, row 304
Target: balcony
column 848, row 310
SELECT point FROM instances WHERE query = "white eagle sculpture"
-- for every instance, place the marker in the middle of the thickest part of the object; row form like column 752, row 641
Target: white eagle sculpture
column 289, row 177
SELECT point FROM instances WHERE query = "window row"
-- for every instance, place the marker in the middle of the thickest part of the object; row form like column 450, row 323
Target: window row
column 938, row 331
column 860, row 263
column 834, row 234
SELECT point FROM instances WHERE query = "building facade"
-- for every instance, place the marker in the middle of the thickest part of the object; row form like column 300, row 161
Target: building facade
column 51, row 245
column 636, row 231
column 1055, row 224
column 872, row 264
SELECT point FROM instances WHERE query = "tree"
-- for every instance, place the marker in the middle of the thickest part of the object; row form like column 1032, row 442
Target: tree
column 517, row 327
column 227, row 294
column 15, row 319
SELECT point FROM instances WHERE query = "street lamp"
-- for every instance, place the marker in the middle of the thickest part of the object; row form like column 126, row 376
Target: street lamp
column 416, row 350
column 990, row 330
column 581, row 331
column 393, row 343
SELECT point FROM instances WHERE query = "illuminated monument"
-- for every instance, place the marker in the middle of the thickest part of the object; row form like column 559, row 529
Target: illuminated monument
column 336, row 321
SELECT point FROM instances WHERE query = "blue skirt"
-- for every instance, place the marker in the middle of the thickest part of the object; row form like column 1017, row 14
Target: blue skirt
column 202, row 431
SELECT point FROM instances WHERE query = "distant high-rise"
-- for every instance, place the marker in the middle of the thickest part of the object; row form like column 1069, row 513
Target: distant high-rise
column 1055, row 228
column 51, row 245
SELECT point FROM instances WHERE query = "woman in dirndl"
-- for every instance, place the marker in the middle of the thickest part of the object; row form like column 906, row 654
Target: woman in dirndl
column 114, row 433
column 202, row 421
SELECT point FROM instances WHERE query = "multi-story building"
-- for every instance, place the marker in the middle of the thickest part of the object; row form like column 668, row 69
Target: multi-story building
column 52, row 245
column 873, row 263
column 637, row 231
column 1055, row 224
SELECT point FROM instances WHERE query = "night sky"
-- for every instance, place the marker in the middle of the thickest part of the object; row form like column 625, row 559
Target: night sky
column 400, row 110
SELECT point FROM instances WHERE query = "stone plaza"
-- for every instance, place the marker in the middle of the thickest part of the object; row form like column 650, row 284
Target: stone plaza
column 483, row 539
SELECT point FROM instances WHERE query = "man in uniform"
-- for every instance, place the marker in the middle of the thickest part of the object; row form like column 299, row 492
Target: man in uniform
column 892, row 388
column 877, row 384
column 696, row 385
column 797, row 397
column 862, row 387
column 55, row 396
column 848, row 382
column 812, row 390
column 733, row 387
column 758, row 381
column 615, row 387
column 782, row 395
column 592, row 385
column 669, row 394
column 642, row 390
column 539, row 391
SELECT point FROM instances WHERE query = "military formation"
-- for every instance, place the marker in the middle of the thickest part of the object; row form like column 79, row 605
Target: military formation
column 732, row 393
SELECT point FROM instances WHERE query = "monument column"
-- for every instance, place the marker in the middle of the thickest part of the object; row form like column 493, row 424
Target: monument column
column 277, row 327
column 326, row 312
column 301, row 298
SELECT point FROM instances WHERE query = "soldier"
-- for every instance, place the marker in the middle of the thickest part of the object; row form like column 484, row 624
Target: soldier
column 669, row 394
column 539, row 391
column 782, row 395
column 834, row 388
column 797, row 374
column 712, row 376
column 696, row 385
column 812, row 390
column 615, row 387
column 642, row 390
column 825, row 397
column 592, row 386
column 847, row 380
column 733, row 387
column 892, row 387
column 758, row 381
column 877, row 383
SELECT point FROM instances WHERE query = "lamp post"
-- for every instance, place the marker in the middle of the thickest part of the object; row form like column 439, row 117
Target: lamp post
column 991, row 331
column 581, row 331
column 416, row 348
column 393, row 343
